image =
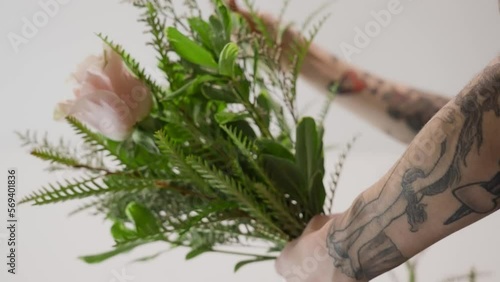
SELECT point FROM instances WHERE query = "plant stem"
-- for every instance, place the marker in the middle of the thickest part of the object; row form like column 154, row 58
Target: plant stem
column 243, row 254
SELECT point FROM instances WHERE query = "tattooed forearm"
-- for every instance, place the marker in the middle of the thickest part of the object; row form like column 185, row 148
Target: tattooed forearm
column 388, row 102
column 412, row 106
column 398, row 110
column 446, row 156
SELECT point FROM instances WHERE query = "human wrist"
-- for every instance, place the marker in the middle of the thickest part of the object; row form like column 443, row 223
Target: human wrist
column 338, row 274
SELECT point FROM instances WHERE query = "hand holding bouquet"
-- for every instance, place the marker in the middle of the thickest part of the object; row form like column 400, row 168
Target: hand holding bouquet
column 213, row 158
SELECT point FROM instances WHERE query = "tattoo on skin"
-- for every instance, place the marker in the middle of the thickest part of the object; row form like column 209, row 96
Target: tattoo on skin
column 433, row 164
column 413, row 107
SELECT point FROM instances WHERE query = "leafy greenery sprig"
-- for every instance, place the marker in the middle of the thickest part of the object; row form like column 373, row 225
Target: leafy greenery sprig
column 223, row 158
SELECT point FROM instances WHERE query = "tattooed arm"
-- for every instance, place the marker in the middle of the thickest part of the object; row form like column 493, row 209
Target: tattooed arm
column 448, row 178
column 398, row 110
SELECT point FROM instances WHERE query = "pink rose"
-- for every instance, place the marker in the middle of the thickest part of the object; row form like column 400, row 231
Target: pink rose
column 108, row 97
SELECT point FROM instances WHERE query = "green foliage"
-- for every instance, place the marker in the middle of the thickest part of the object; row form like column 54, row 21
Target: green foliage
column 227, row 59
column 222, row 159
column 78, row 188
column 120, row 249
column 242, row 263
column 335, row 175
column 309, row 158
column 189, row 49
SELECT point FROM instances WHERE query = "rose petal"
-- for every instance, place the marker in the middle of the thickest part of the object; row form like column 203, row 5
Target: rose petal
column 130, row 89
column 105, row 112
column 98, row 80
column 90, row 62
column 62, row 110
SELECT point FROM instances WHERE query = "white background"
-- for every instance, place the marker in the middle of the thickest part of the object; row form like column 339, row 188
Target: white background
column 434, row 45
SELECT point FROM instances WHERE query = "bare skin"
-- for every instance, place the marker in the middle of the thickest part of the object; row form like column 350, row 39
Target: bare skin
column 447, row 179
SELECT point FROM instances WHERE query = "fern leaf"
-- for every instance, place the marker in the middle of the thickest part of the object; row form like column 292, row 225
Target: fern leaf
column 54, row 157
column 233, row 189
column 83, row 188
column 281, row 212
column 96, row 203
column 96, row 140
column 248, row 149
column 335, row 176
column 179, row 161
column 61, row 192
column 159, row 41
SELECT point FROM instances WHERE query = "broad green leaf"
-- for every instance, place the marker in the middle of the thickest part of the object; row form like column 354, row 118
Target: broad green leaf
column 227, row 117
column 317, row 194
column 190, row 50
column 310, row 160
column 145, row 222
column 271, row 147
column 116, row 251
column 242, row 263
column 227, row 59
column 286, row 175
column 219, row 93
column 218, row 34
column 189, row 86
column 198, row 251
column 146, row 141
column 203, row 30
column 242, row 89
column 243, row 127
column 121, row 233
column 150, row 257
column 225, row 18
column 265, row 108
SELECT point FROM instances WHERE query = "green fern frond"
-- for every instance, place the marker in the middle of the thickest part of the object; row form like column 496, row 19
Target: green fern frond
column 178, row 160
column 87, row 187
column 261, row 26
column 328, row 103
column 31, row 138
column 335, row 176
column 234, row 189
column 95, row 140
column 96, row 204
column 316, row 28
column 204, row 214
column 314, row 14
column 159, row 42
column 129, row 182
column 59, row 192
column 283, row 9
column 55, row 157
column 278, row 207
column 248, row 149
column 302, row 50
column 246, row 146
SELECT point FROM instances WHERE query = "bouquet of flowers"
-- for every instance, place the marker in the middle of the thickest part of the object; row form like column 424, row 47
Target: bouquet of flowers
column 214, row 157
